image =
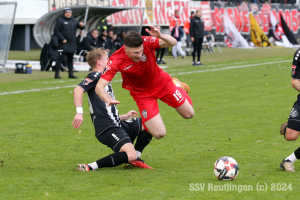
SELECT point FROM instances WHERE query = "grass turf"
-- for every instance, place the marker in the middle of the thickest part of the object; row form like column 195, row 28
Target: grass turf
column 238, row 112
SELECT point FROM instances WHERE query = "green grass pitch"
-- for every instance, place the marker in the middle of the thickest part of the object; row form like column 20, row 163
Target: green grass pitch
column 241, row 97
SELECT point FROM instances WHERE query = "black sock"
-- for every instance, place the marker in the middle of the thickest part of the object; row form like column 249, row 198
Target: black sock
column 113, row 160
column 297, row 153
column 142, row 141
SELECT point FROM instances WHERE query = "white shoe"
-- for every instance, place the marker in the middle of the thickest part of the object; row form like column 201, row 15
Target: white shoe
column 287, row 165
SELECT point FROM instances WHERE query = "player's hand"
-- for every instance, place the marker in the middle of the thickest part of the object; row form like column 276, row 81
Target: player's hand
column 153, row 31
column 131, row 114
column 64, row 41
column 192, row 39
column 113, row 102
column 78, row 119
column 81, row 24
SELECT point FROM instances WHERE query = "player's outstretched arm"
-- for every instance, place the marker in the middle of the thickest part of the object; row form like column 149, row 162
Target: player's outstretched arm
column 164, row 40
column 78, row 95
column 101, row 92
column 131, row 114
column 296, row 84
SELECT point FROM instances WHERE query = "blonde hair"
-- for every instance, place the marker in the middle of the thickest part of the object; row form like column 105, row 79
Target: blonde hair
column 95, row 55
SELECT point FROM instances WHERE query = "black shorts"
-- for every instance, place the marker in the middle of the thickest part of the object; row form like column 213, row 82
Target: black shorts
column 294, row 117
column 115, row 137
column 132, row 127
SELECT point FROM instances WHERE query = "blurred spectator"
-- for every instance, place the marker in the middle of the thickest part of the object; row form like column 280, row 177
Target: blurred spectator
column 186, row 29
column 160, row 52
column 102, row 41
column 110, row 41
column 177, row 33
column 173, row 19
column 116, row 42
column 197, row 33
column 54, row 55
column 65, row 30
column 121, row 36
column 89, row 42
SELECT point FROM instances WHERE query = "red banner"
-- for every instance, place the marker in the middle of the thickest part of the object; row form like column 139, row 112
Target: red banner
column 158, row 12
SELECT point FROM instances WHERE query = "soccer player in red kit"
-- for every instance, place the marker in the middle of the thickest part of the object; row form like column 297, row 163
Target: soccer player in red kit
column 145, row 80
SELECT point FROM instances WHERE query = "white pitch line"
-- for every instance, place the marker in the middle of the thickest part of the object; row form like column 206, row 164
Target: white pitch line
column 231, row 67
column 37, row 90
column 181, row 73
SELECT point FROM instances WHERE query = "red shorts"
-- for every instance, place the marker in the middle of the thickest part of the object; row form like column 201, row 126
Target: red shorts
column 169, row 93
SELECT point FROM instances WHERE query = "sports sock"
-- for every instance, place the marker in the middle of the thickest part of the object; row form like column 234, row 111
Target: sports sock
column 292, row 158
column 138, row 153
column 297, row 153
column 111, row 160
column 93, row 166
column 142, row 141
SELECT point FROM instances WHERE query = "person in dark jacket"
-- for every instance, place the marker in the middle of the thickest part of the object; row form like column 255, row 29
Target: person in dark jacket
column 110, row 42
column 65, row 30
column 197, row 33
column 121, row 36
column 116, row 42
column 177, row 33
column 102, row 40
column 54, row 54
column 89, row 42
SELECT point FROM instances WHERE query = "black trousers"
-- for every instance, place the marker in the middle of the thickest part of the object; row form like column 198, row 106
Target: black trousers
column 197, row 48
column 161, row 52
column 69, row 57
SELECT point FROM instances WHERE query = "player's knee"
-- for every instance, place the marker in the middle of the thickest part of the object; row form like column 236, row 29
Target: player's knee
column 188, row 115
column 159, row 134
column 291, row 135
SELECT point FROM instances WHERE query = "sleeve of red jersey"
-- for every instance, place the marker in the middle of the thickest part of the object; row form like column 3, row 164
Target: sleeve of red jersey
column 111, row 70
column 151, row 42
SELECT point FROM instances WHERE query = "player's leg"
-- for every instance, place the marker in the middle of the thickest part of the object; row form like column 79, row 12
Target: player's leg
column 156, row 126
column 117, row 139
column 143, row 139
column 135, row 130
column 151, row 119
column 176, row 97
column 291, row 131
column 186, row 110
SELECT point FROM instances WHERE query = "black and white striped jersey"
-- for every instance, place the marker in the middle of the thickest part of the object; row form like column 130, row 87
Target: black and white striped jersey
column 296, row 65
column 102, row 116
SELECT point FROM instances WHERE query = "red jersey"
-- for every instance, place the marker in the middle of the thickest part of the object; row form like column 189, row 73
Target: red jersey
column 173, row 20
column 141, row 76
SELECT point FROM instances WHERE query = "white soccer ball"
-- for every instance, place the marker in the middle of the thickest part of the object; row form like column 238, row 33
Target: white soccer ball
column 226, row 168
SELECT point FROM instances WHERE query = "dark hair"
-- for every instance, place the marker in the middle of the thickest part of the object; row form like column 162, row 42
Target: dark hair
column 133, row 39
